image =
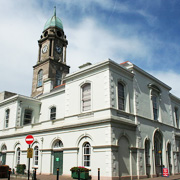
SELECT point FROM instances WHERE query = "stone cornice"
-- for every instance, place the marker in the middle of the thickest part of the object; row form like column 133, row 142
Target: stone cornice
column 96, row 66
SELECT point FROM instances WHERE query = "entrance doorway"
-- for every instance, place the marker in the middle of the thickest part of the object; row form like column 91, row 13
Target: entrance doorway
column 58, row 157
column 158, row 144
column 58, row 162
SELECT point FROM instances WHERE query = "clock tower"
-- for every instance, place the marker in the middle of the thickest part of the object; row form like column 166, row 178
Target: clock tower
column 51, row 65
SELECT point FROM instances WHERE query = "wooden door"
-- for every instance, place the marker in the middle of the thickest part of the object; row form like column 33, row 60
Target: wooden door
column 58, row 162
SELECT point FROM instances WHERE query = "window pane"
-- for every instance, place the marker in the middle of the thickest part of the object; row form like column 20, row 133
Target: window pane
column 40, row 78
column 86, row 155
column 27, row 116
column 86, row 97
column 155, row 107
column 53, row 113
column 18, row 155
column 7, row 118
column 36, row 152
column 176, row 117
column 58, row 77
column 121, row 99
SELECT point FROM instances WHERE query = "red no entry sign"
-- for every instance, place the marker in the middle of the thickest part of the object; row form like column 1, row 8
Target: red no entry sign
column 165, row 172
column 29, row 139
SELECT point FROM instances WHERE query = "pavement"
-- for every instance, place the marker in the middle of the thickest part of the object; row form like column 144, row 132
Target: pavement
column 63, row 177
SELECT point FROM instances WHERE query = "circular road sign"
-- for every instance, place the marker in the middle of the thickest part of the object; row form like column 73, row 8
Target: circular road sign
column 29, row 139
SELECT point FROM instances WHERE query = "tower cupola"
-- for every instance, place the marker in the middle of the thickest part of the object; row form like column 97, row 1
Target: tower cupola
column 54, row 21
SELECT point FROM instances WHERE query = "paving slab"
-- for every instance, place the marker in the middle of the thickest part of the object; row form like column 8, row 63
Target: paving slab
column 63, row 177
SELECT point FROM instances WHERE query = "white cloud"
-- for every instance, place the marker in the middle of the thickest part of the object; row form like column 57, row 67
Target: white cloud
column 89, row 41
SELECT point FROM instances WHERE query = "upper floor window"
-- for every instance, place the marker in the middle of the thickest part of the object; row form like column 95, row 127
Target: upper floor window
column 36, row 154
column 155, row 100
column 86, row 154
column 7, row 112
column 18, row 155
column 176, row 117
column 155, row 107
column 53, row 113
column 27, row 116
column 121, row 97
column 40, row 78
column 86, row 97
column 58, row 77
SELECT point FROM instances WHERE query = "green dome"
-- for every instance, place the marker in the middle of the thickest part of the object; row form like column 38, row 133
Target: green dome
column 53, row 22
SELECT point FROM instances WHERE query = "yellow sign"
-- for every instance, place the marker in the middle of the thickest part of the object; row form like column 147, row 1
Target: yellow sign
column 29, row 152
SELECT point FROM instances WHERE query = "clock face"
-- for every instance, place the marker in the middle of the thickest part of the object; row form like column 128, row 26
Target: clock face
column 44, row 49
column 58, row 49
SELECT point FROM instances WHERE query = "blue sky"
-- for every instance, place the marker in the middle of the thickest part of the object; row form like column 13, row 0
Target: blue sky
column 144, row 32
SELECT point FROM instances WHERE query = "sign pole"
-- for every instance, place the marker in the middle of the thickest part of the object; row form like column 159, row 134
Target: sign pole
column 29, row 166
column 29, row 140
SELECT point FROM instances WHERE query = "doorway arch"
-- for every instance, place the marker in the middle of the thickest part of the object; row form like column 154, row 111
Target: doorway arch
column 158, row 150
column 57, row 154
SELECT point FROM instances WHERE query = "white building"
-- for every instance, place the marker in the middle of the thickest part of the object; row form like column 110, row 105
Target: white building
column 111, row 116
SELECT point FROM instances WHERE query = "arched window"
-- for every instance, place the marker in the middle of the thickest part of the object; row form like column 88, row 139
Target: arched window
column 158, row 148
column 155, row 93
column 7, row 118
column 40, row 78
column 169, row 153
column 3, row 155
column 58, row 77
column 147, row 152
column 36, row 154
column 121, row 97
column 86, row 97
column 27, row 116
column 86, row 154
column 58, row 144
column 53, row 113
column 18, row 155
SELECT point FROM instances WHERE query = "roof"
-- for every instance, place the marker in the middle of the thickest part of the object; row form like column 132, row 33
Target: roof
column 53, row 22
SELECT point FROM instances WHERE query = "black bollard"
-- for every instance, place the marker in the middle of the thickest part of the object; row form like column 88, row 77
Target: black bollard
column 98, row 173
column 9, row 173
column 57, row 173
column 34, row 173
column 78, row 174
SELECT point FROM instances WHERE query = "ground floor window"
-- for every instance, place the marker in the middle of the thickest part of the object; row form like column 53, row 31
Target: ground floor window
column 86, row 154
column 18, row 155
column 36, row 153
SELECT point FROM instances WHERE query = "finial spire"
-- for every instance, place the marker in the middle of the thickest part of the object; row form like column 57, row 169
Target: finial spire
column 54, row 10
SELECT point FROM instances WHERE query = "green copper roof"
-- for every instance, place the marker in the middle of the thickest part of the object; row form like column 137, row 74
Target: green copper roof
column 53, row 22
